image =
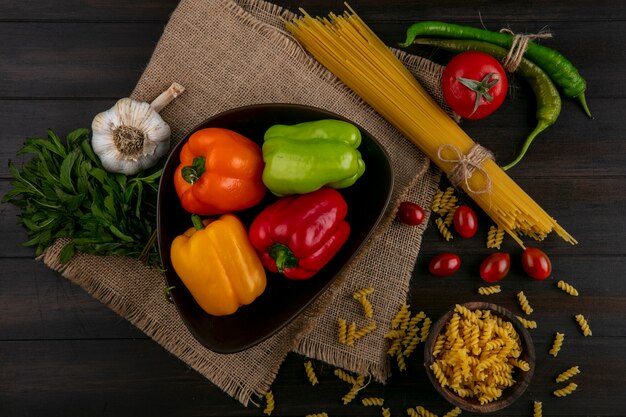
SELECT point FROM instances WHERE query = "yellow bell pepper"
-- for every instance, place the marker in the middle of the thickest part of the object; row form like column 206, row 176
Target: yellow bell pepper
column 217, row 263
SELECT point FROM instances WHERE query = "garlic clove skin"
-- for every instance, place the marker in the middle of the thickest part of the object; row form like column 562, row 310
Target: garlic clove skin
column 129, row 137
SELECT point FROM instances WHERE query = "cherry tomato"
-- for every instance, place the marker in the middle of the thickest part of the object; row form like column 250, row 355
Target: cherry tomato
column 410, row 213
column 474, row 84
column 444, row 265
column 495, row 267
column 536, row 263
column 465, row 221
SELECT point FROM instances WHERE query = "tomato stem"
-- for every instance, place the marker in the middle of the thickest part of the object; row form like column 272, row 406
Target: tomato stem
column 481, row 88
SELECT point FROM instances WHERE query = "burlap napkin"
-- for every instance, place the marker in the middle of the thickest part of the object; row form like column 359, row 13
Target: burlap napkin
column 233, row 53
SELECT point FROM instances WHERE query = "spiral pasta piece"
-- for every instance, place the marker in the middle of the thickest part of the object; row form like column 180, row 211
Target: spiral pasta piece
column 424, row 412
column 400, row 361
column 351, row 395
column 455, row 412
column 412, row 412
column 529, row 324
column 369, row 328
column 584, row 325
column 373, row 401
column 493, row 289
column 403, row 315
column 521, row 364
column 269, row 403
column 556, row 345
column 310, row 373
column 351, row 334
column 449, row 219
column 345, row 376
column 537, row 409
column 570, row 388
column 567, row 374
column 342, row 331
column 425, row 329
column 568, row 288
column 363, row 292
column 436, row 201
column 385, row 412
column 495, row 236
column 368, row 309
column 443, row 229
column 317, row 415
column 523, row 302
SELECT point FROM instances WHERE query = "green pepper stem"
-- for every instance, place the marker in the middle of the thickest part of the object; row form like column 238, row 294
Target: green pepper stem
column 283, row 256
column 583, row 102
column 197, row 222
column 541, row 126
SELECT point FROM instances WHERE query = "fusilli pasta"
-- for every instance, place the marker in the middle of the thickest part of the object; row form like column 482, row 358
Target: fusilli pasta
column 310, row 373
column 317, row 415
column 411, row 412
column 529, row 324
column 523, row 302
column 562, row 392
column 443, row 229
column 567, row 374
column 373, row 401
column 476, row 354
column 537, row 409
column 455, row 412
column 368, row 310
column 584, row 325
column 363, row 292
column 568, row 288
column 556, row 345
column 342, row 331
column 495, row 236
column 424, row 412
column 385, row 412
column 493, row 289
column 269, row 403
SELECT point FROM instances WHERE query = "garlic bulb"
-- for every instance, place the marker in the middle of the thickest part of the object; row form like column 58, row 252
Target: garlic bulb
column 132, row 136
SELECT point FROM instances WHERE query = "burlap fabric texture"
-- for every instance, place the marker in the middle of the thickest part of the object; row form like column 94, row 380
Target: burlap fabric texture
column 233, row 53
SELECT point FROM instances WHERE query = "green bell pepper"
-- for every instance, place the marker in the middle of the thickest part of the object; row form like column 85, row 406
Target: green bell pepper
column 305, row 157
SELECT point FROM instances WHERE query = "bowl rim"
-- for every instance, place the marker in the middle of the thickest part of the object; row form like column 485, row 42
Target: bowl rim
column 160, row 196
column 528, row 350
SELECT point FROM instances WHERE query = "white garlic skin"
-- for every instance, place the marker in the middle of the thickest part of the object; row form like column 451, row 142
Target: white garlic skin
column 134, row 114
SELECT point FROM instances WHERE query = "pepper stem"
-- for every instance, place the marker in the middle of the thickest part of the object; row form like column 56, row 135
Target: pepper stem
column 541, row 126
column 583, row 102
column 166, row 97
column 283, row 256
column 197, row 222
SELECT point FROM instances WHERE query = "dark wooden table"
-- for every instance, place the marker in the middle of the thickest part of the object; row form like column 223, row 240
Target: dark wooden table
column 64, row 354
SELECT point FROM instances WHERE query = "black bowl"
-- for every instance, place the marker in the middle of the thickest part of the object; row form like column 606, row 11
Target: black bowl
column 283, row 299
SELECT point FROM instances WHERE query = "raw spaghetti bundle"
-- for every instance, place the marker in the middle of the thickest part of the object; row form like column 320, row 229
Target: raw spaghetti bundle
column 351, row 50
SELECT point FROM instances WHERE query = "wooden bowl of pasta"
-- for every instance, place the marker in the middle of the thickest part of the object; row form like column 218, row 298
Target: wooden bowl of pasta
column 479, row 357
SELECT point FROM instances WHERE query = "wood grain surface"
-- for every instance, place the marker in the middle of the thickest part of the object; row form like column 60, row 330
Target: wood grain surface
column 64, row 354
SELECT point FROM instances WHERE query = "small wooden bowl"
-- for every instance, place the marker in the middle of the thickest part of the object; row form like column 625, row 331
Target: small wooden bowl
column 510, row 394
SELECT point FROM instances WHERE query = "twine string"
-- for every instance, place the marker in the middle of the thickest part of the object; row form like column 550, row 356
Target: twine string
column 466, row 165
column 518, row 47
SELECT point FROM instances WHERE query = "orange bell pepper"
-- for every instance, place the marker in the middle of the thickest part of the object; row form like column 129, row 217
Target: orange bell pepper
column 220, row 171
column 218, row 265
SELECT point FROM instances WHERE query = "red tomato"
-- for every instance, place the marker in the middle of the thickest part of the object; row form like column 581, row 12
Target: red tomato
column 474, row 84
column 536, row 263
column 465, row 221
column 495, row 267
column 444, row 265
column 410, row 213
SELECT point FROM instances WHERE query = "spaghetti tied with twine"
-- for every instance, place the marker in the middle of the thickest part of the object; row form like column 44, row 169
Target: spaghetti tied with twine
column 466, row 165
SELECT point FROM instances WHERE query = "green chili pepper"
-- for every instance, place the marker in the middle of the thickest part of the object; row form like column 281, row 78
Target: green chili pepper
column 302, row 158
column 546, row 94
column 561, row 70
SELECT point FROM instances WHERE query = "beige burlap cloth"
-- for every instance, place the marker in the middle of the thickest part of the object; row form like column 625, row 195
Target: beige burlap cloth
column 232, row 53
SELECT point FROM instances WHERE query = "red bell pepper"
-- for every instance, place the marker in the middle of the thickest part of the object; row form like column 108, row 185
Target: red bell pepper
column 297, row 235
